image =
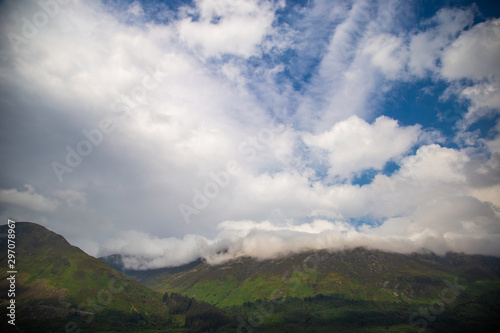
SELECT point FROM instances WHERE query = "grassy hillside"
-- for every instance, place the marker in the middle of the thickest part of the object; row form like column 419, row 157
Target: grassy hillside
column 357, row 274
column 355, row 290
column 59, row 287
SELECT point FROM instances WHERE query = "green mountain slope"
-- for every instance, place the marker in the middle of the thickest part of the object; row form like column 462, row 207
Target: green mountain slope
column 61, row 288
column 357, row 274
column 356, row 290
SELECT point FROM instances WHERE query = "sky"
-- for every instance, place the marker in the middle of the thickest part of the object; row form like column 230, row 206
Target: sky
column 166, row 131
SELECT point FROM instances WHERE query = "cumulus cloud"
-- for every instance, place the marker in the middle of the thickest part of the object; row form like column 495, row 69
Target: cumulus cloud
column 434, row 163
column 142, row 251
column 28, row 199
column 265, row 240
column 193, row 87
column 354, row 145
column 228, row 27
column 474, row 54
column 433, row 172
column 426, row 46
column 388, row 53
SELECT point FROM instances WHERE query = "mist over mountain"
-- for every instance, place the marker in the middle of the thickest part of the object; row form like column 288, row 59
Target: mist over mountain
column 359, row 273
column 265, row 240
column 244, row 165
column 362, row 289
column 170, row 130
column 60, row 288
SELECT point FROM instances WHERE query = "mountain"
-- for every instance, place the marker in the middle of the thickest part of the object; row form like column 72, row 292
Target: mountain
column 340, row 289
column 58, row 287
column 356, row 273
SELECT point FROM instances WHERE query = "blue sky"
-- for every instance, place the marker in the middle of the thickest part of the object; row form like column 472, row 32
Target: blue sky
column 168, row 130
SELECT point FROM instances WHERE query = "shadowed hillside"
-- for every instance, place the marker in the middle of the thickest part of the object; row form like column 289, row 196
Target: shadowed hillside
column 60, row 288
column 357, row 274
column 356, row 290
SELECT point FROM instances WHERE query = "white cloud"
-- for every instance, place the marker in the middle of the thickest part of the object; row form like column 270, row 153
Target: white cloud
column 143, row 251
column 483, row 95
column 433, row 164
column 353, row 145
column 426, row 47
column 236, row 238
column 194, row 121
column 28, row 199
column 135, row 8
column 432, row 173
column 388, row 53
column 265, row 240
column 228, row 27
column 474, row 54
column 345, row 80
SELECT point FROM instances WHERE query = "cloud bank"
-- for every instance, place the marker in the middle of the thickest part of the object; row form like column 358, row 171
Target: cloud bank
column 265, row 240
column 277, row 126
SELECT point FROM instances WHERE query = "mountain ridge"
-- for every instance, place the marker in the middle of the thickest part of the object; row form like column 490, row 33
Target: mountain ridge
column 60, row 287
column 356, row 290
column 414, row 276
